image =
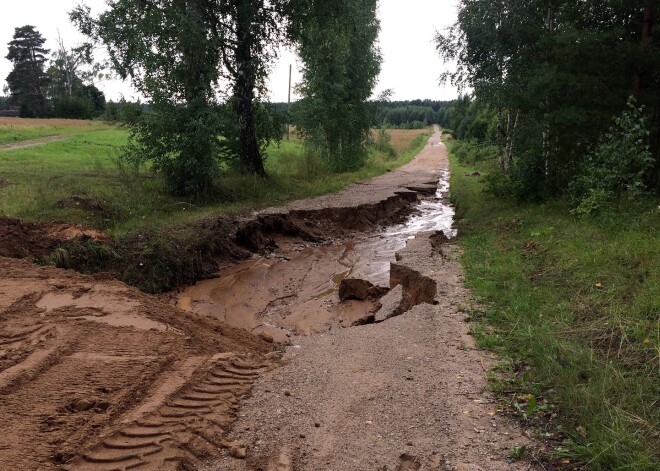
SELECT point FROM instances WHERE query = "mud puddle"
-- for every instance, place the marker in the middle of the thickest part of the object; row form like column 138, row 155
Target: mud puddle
column 295, row 289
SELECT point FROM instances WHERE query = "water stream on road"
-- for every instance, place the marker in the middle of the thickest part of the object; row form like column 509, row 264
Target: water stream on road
column 294, row 291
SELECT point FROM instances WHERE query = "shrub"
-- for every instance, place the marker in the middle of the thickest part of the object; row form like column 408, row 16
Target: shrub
column 617, row 166
column 383, row 143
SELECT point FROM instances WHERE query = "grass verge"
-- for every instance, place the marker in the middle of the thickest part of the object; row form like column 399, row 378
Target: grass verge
column 572, row 308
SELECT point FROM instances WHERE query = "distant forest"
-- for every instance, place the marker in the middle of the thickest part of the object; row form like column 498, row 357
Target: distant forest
column 409, row 114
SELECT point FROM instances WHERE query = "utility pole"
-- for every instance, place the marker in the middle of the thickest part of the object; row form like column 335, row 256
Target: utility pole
column 288, row 109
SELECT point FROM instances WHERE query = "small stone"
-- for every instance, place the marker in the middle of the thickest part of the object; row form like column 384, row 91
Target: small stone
column 317, row 425
column 238, row 452
column 287, row 392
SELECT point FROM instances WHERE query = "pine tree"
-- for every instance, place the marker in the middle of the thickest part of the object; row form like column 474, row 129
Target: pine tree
column 28, row 79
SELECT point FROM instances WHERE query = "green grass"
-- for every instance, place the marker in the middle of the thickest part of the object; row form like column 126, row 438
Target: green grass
column 572, row 307
column 38, row 183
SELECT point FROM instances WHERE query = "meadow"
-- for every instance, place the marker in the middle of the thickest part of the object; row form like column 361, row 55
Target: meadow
column 80, row 178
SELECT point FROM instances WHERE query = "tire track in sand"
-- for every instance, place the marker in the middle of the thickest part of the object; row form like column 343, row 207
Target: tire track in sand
column 185, row 427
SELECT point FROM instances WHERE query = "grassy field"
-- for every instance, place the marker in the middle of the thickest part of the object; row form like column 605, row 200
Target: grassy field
column 81, row 180
column 572, row 307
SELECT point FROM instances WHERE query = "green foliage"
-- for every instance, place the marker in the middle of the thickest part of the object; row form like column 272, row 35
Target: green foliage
column 471, row 152
column 73, row 108
column 542, row 90
column 415, row 114
column 27, row 80
column 617, row 166
column 341, row 62
column 174, row 63
column 383, row 143
column 70, row 96
column 570, row 305
column 175, row 140
column 180, row 55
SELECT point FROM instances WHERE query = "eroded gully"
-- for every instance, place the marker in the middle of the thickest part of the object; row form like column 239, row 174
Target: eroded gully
column 295, row 290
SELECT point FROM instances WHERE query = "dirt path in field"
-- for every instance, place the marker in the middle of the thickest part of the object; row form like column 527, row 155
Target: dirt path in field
column 362, row 290
column 42, row 141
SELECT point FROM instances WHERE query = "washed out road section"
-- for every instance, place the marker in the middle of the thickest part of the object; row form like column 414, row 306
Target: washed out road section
column 295, row 289
column 408, row 393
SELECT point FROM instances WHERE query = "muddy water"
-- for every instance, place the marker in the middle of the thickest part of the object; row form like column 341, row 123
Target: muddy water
column 294, row 290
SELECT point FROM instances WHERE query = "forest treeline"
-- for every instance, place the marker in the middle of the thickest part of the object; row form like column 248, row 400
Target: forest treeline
column 406, row 114
column 565, row 95
column 412, row 114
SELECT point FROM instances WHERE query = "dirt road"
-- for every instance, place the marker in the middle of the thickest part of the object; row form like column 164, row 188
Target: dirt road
column 404, row 394
column 97, row 375
column 42, row 141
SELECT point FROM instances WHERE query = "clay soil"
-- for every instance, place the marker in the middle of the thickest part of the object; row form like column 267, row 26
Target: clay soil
column 97, row 375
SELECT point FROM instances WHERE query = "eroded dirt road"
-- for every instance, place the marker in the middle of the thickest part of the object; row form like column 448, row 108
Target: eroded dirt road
column 407, row 393
column 361, row 290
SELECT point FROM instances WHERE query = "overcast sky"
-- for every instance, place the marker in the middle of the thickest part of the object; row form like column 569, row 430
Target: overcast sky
column 411, row 65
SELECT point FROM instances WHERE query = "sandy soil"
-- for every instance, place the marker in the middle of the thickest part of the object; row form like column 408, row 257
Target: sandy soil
column 97, row 375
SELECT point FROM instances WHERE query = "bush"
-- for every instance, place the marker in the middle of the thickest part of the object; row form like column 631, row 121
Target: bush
column 470, row 152
column 383, row 143
column 617, row 166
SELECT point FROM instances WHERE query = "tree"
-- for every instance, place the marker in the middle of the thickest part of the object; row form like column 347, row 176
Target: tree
column 179, row 54
column 540, row 66
column 337, row 44
column 70, row 88
column 27, row 80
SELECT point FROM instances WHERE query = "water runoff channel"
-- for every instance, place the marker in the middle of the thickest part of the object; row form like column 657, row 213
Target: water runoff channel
column 295, row 290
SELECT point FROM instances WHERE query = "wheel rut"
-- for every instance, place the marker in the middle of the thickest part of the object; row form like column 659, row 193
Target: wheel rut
column 187, row 427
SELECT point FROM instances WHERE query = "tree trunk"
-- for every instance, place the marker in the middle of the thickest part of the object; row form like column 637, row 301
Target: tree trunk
column 647, row 36
column 546, row 150
column 510, row 143
column 500, row 141
column 41, row 99
column 550, row 21
column 251, row 160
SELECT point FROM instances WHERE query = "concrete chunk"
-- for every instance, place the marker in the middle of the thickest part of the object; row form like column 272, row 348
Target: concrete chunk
column 390, row 304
